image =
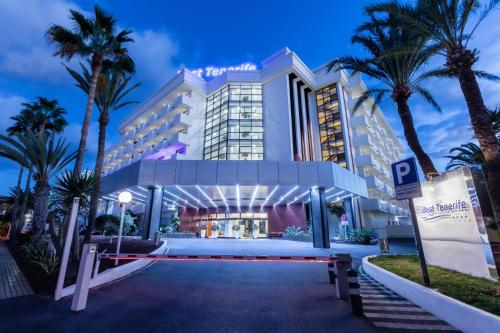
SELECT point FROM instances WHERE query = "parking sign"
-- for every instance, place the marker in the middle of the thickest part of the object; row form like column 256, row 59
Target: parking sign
column 406, row 182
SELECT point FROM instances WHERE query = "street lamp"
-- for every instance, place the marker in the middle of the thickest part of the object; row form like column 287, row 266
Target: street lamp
column 124, row 198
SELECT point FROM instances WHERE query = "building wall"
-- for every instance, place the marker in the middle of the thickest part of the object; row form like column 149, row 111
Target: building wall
column 277, row 135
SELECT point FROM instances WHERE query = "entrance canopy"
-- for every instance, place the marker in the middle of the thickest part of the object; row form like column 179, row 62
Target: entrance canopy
column 225, row 184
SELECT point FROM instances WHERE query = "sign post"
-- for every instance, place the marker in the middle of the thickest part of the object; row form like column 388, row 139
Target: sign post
column 407, row 186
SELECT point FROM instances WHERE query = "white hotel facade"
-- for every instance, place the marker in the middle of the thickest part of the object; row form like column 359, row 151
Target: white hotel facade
column 266, row 146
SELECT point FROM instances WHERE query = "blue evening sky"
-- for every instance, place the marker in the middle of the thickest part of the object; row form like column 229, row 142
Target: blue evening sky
column 172, row 34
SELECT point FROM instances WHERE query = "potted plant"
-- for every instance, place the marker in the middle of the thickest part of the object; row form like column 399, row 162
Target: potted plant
column 215, row 231
column 255, row 231
column 203, row 231
column 236, row 231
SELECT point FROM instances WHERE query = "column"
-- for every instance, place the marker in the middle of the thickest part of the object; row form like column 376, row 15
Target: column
column 319, row 218
column 152, row 213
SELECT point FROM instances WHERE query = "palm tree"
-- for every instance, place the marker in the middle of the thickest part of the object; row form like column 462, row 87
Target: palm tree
column 68, row 186
column 94, row 39
column 47, row 157
column 447, row 23
column 42, row 115
column 112, row 88
column 400, row 73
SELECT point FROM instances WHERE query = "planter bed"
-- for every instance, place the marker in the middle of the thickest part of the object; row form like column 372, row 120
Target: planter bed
column 180, row 235
column 305, row 238
column 448, row 300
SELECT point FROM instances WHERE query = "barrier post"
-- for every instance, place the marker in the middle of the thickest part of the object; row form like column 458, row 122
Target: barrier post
column 355, row 293
column 82, row 281
column 331, row 270
column 342, row 264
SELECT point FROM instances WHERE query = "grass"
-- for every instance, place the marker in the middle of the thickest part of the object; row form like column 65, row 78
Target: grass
column 478, row 292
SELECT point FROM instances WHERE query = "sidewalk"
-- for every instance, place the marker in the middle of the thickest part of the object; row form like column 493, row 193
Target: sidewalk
column 12, row 281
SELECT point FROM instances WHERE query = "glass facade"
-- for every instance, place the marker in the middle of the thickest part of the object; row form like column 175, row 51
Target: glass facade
column 246, row 222
column 233, row 124
column 330, row 126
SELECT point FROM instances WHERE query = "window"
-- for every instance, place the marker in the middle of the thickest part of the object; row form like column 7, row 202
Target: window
column 233, row 126
column 330, row 126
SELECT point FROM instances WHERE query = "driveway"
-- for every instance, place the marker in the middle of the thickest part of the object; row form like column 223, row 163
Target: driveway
column 203, row 296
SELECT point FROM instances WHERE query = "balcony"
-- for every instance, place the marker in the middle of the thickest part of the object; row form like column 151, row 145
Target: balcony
column 359, row 121
column 374, row 182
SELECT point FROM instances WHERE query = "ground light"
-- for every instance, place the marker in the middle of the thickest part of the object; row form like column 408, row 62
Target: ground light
column 124, row 198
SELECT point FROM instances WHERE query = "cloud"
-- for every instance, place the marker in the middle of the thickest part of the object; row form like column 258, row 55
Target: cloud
column 72, row 134
column 24, row 52
column 153, row 53
column 9, row 106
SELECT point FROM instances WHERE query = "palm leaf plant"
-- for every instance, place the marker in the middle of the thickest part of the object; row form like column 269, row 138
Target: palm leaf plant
column 41, row 115
column 401, row 74
column 96, row 39
column 449, row 25
column 47, row 157
column 113, row 87
column 468, row 155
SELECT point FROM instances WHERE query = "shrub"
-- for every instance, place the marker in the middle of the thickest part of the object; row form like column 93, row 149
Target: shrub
column 215, row 227
column 39, row 254
column 294, row 231
column 363, row 236
column 110, row 224
column 175, row 222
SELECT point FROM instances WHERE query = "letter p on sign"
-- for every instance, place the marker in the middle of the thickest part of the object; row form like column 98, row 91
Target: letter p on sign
column 405, row 176
column 402, row 169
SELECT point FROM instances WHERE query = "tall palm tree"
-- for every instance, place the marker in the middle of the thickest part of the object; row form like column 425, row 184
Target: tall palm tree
column 448, row 24
column 47, row 157
column 94, row 38
column 41, row 115
column 112, row 88
column 400, row 73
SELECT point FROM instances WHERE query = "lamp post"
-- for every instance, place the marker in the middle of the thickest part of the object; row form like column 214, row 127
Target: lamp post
column 124, row 198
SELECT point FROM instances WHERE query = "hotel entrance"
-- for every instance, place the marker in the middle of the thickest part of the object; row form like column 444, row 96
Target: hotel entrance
column 235, row 225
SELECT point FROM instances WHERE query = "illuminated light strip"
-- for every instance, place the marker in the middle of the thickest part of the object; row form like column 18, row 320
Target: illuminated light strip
column 345, row 196
column 335, row 194
column 269, row 196
column 173, row 202
column 206, row 196
column 107, row 198
column 308, row 201
column 253, row 196
column 112, row 195
column 297, row 198
column 330, row 189
column 234, row 258
column 142, row 188
column 286, row 195
column 139, row 194
column 238, row 202
column 222, row 196
column 189, row 195
column 181, row 199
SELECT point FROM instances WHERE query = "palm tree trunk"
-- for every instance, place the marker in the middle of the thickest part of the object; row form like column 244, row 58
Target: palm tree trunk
column 412, row 138
column 96, row 68
column 27, row 190
column 41, row 209
column 103, row 122
column 15, row 206
column 481, row 123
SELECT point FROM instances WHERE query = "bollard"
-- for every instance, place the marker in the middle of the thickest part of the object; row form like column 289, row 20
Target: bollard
column 82, row 281
column 383, row 245
column 342, row 264
column 355, row 293
column 157, row 238
column 331, row 272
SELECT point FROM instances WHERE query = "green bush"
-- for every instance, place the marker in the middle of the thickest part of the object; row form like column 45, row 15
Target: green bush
column 110, row 224
column 39, row 254
column 294, row 231
column 363, row 236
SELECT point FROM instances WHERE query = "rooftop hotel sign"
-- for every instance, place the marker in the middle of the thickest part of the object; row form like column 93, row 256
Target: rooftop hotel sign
column 212, row 71
column 454, row 222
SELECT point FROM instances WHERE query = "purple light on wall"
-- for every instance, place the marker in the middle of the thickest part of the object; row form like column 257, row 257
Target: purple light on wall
column 167, row 153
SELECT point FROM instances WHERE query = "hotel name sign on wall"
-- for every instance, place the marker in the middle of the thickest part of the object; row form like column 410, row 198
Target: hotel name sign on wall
column 213, row 71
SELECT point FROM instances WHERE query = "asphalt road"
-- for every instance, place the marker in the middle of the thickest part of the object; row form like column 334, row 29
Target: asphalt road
column 201, row 297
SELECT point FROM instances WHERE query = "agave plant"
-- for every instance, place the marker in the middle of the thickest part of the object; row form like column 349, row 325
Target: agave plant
column 47, row 157
column 69, row 186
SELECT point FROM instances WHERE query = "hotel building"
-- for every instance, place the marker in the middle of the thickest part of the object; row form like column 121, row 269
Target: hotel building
column 261, row 148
